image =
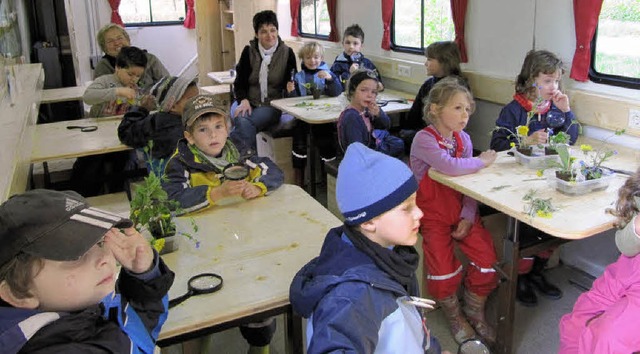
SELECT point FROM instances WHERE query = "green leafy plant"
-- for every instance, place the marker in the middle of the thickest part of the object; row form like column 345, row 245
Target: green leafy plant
column 537, row 206
column 592, row 167
column 314, row 89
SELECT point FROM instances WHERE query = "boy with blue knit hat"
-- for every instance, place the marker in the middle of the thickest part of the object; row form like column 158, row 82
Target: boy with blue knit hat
column 359, row 294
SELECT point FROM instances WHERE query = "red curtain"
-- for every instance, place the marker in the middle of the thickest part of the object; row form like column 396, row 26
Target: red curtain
column 585, row 13
column 115, row 16
column 387, row 13
column 294, row 8
column 459, row 13
column 190, row 20
column 331, row 7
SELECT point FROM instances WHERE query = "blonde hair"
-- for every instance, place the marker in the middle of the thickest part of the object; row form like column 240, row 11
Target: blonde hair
column 626, row 207
column 441, row 94
column 309, row 49
column 103, row 32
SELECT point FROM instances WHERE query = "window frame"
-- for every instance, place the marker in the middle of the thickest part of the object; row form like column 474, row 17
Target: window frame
column 310, row 35
column 404, row 49
column 608, row 79
column 157, row 23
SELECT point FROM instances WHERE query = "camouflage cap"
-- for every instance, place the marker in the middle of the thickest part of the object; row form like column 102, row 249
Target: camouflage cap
column 203, row 104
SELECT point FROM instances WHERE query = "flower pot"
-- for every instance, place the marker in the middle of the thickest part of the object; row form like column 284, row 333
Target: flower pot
column 534, row 162
column 316, row 93
column 550, row 151
column 561, row 181
column 171, row 244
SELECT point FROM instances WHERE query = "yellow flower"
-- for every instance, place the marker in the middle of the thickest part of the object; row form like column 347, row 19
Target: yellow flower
column 512, row 144
column 586, row 148
column 539, row 173
column 522, row 130
column 158, row 244
column 543, row 214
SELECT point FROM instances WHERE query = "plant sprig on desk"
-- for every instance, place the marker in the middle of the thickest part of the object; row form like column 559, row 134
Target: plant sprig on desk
column 537, row 206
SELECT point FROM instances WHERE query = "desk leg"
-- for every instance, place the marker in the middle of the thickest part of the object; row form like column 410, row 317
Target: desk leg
column 507, row 290
column 293, row 330
column 311, row 160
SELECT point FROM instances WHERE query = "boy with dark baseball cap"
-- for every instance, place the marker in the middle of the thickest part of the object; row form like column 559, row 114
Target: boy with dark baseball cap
column 58, row 278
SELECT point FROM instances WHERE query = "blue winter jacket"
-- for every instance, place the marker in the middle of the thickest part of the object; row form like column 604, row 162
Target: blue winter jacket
column 342, row 63
column 331, row 88
column 513, row 115
column 352, row 306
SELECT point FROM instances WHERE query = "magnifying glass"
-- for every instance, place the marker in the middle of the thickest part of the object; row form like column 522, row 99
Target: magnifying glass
column 205, row 283
column 473, row 346
column 235, row 172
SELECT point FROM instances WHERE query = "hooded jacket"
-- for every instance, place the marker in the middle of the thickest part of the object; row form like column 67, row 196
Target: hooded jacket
column 352, row 306
column 331, row 88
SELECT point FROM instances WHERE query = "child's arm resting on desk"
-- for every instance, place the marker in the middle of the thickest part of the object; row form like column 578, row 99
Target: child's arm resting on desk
column 178, row 187
column 264, row 174
column 425, row 147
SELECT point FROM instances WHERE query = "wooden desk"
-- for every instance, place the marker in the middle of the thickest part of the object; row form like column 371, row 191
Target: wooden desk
column 502, row 186
column 54, row 141
column 63, row 94
column 327, row 110
column 222, row 77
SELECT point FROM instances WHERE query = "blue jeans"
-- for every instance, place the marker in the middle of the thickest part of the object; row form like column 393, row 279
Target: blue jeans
column 261, row 119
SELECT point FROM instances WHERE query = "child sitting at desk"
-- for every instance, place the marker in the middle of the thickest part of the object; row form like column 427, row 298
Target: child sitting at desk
column 58, row 287
column 363, row 121
column 163, row 127
column 352, row 59
column 450, row 216
column 539, row 103
column 314, row 71
column 605, row 319
column 359, row 294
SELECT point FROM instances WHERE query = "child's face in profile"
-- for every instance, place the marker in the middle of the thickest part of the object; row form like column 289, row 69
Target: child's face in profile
column 312, row 61
column 454, row 115
column 548, row 84
column 352, row 45
column 434, row 68
column 365, row 94
column 208, row 134
column 130, row 76
column 75, row 285
column 190, row 92
column 398, row 226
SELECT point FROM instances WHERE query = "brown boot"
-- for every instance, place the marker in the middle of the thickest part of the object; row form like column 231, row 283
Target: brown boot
column 474, row 306
column 460, row 328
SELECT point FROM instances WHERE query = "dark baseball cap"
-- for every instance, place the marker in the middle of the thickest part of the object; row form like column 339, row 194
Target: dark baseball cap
column 203, row 104
column 53, row 225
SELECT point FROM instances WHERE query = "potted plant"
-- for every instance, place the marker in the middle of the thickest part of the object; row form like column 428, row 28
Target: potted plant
column 153, row 211
column 314, row 89
column 560, row 138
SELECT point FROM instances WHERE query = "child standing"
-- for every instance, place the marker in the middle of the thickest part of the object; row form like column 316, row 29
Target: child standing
column 537, row 95
column 58, row 279
column 314, row 71
column 605, row 319
column 449, row 216
column 363, row 121
column 358, row 294
column 352, row 59
column 163, row 127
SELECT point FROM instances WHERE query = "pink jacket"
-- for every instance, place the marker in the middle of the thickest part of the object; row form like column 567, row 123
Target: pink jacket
column 606, row 319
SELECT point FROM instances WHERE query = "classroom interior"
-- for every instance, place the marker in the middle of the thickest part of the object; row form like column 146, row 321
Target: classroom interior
column 494, row 60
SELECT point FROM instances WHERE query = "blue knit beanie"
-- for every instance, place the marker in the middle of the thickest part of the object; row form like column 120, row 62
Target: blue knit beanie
column 371, row 183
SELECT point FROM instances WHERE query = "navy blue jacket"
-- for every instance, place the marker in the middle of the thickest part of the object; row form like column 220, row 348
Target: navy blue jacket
column 342, row 63
column 331, row 88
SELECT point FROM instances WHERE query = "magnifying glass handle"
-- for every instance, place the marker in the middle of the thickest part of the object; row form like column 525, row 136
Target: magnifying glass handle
column 180, row 299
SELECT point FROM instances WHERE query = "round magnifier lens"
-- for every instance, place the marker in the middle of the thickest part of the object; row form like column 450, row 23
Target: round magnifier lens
column 555, row 120
column 236, row 172
column 473, row 346
column 205, row 283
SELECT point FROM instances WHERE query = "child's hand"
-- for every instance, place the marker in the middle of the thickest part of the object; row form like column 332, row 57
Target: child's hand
column 126, row 92
column 561, row 101
column 487, row 157
column 290, row 86
column 354, row 67
column 148, row 102
column 374, row 109
column 251, row 191
column 538, row 137
column 130, row 249
column 325, row 75
column 380, row 86
column 244, row 109
column 228, row 189
column 462, row 230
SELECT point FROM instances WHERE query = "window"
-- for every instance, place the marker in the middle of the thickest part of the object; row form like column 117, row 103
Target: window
column 615, row 49
column 430, row 18
column 314, row 19
column 152, row 12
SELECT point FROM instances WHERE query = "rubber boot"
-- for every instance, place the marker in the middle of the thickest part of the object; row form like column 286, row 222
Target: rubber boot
column 460, row 328
column 537, row 279
column 474, row 307
column 524, row 291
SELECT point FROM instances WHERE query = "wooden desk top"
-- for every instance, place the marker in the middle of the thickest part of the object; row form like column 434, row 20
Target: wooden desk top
column 54, row 141
column 222, row 77
column 62, row 94
column 327, row 109
column 503, row 184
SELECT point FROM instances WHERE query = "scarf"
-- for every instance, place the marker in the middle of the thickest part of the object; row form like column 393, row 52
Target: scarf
column 400, row 263
column 229, row 154
column 542, row 108
column 267, row 55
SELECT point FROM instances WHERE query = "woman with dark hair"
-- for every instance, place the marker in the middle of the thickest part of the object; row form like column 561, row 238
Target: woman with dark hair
column 264, row 73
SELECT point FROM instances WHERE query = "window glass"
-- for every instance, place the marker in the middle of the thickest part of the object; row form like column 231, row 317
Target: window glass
column 149, row 12
column 417, row 23
column 314, row 19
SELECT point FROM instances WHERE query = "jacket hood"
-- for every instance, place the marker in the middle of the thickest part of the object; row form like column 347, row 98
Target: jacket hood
column 14, row 329
column 339, row 262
